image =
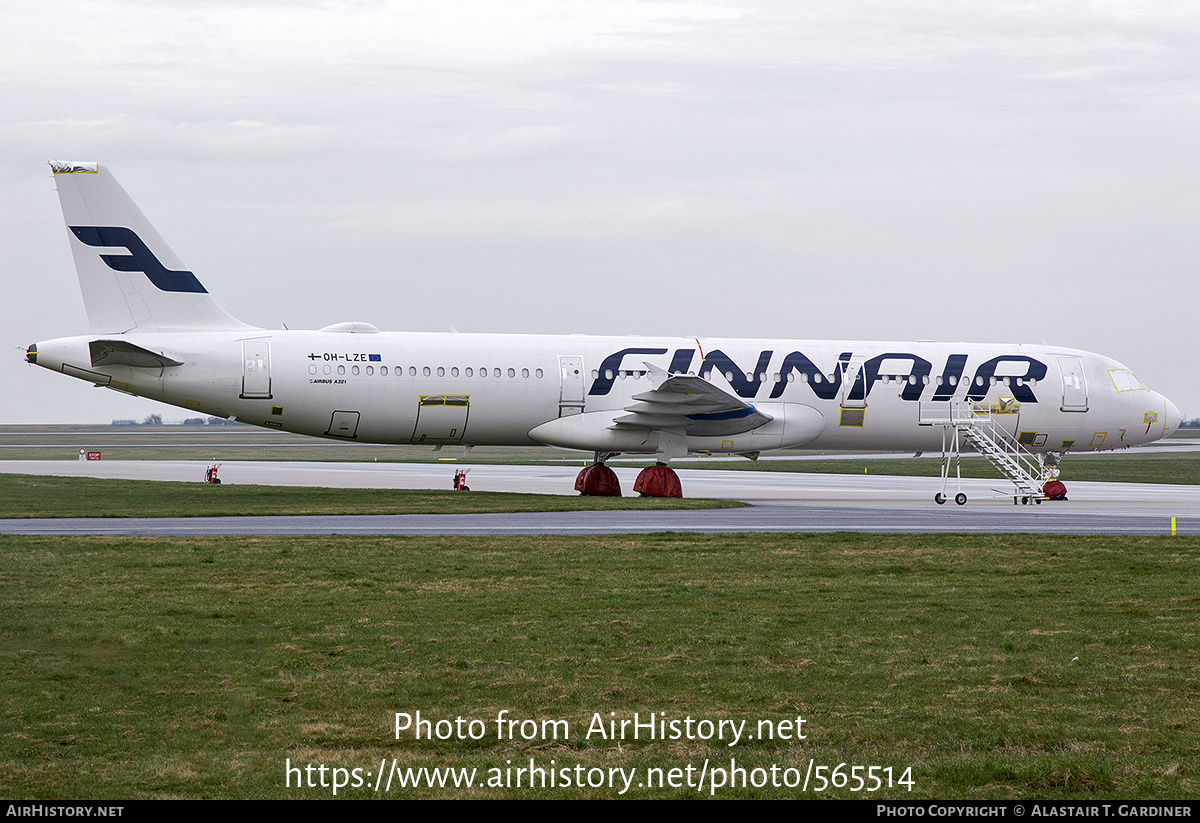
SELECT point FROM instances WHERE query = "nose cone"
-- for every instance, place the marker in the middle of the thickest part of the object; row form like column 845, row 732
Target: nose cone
column 1173, row 417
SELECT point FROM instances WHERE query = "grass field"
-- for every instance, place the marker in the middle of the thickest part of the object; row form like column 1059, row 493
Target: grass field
column 979, row 667
column 1000, row 667
column 37, row 496
column 232, row 443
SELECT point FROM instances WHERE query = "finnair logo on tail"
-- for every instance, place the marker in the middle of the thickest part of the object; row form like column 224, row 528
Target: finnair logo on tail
column 140, row 258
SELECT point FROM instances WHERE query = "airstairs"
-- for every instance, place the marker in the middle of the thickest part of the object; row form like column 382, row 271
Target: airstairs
column 976, row 426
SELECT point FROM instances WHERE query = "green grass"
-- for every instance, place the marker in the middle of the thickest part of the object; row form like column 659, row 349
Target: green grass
column 993, row 666
column 37, row 496
column 233, row 443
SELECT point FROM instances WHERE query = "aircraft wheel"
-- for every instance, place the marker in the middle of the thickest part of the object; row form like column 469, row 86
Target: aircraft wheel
column 960, row 499
column 939, row 498
column 1038, row 500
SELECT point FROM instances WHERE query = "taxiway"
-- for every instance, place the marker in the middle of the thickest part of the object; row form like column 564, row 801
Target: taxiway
column 780, row 502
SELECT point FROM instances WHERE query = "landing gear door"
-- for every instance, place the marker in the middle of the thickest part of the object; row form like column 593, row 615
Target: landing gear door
column 256, row 370
column 570, row 397
column 1074, row 385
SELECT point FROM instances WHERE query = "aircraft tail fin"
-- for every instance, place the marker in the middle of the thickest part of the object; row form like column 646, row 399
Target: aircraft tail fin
column 130, row 278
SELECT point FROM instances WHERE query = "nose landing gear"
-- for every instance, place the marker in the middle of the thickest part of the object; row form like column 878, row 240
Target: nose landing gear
column 598, row 480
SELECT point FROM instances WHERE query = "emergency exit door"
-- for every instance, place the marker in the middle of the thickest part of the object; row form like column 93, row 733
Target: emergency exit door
column 570, row 392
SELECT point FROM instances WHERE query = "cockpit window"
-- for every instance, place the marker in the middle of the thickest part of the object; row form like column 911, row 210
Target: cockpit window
column 1124, row 380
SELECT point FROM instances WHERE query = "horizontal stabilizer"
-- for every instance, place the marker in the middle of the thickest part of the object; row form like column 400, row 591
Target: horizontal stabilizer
column 120, row 353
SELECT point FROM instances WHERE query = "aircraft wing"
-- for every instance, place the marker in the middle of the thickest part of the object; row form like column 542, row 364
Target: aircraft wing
column 691, row 405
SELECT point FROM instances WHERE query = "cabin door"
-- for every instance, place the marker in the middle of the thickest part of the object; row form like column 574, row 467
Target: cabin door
column 1074, row 385
column 256, row 370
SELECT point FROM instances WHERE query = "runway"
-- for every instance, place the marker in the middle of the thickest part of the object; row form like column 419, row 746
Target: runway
column 781, row 502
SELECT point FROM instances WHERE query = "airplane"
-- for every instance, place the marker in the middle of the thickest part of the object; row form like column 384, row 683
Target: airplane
column 156, row 332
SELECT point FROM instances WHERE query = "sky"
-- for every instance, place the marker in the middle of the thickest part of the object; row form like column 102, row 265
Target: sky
column 974, row 171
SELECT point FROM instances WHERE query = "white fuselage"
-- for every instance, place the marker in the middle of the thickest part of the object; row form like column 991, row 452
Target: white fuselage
column 487, row 389
column 158, row 333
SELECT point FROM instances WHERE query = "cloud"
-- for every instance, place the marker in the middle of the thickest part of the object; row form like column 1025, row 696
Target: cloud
column 1010, row 170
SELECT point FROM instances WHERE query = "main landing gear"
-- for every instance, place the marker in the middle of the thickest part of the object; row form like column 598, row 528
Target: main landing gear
column 659, row 480
column 599, row 480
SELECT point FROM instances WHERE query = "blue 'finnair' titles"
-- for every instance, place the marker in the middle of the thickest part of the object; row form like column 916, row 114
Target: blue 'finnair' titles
column 827, row 383
column 156, row 332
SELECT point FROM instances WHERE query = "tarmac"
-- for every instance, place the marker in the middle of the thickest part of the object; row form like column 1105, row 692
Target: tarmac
column 779, row 502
